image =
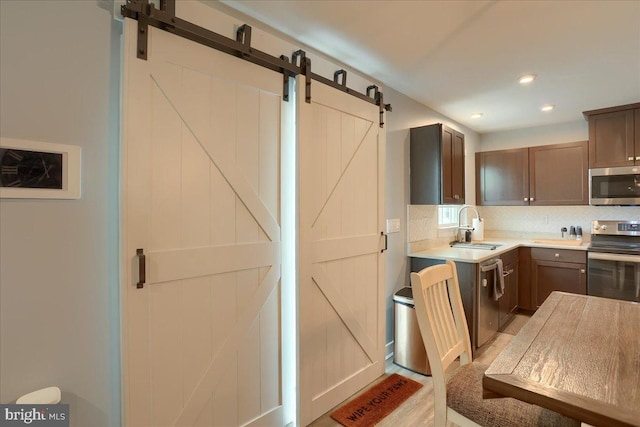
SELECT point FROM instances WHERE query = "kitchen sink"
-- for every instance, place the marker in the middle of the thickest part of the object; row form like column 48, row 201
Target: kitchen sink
column 466, row 245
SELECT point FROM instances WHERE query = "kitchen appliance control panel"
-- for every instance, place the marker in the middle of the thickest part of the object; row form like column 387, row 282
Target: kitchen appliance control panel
column 624, row 228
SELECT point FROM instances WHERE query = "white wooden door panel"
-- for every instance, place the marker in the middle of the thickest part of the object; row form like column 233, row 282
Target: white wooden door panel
column 341, row 293
column 201, row 165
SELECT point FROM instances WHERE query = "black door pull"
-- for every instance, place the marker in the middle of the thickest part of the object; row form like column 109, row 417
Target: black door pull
column 142, row 268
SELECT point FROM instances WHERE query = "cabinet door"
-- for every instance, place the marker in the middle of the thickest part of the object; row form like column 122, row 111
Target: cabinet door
column 558, row 174
column 457, row 166
column 549, row 276
column 447, row 166
column 637, row 133
column 611, row 139
column 525, row 297
column 502, row 177
column 452, row 166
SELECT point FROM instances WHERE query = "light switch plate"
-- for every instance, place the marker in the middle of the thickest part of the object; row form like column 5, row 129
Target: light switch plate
column 393, row 225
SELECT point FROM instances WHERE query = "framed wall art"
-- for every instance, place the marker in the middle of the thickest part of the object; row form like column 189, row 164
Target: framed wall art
column 39, row 170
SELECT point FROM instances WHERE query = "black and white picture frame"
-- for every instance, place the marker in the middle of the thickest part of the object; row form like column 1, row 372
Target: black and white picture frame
column 39, row 170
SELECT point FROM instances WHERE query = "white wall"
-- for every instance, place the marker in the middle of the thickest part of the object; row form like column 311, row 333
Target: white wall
column 531, row 137
column 59, row 71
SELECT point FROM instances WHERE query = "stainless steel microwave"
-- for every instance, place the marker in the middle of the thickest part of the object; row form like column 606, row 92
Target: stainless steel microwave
column 615, row 186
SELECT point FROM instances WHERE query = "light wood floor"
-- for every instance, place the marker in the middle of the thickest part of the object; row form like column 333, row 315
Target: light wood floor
column 418, row 409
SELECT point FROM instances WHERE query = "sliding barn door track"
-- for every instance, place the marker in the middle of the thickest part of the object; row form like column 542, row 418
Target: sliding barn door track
column 165, row 19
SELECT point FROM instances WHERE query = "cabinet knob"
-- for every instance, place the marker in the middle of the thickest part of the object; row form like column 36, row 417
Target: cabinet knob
column 455, row 196
column 582, row 270
column 557, row 255
column 531, row 199
column 637, row 157
column 630, row 158
column 526, row 199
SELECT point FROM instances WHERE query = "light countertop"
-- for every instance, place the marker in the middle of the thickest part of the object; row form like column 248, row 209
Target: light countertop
column 446, row 252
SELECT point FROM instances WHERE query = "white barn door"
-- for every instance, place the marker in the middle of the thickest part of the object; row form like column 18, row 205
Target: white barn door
column 201, row 197
column 341, row 266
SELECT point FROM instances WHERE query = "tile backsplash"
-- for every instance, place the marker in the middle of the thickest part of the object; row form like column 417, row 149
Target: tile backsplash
column 515, row 221
column 550, row 219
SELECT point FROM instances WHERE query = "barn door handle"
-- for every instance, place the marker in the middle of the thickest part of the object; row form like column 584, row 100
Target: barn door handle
column 142, row 268
column 385, row 241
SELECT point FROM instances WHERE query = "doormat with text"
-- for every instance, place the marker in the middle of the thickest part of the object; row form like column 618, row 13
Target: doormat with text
column 377, row 402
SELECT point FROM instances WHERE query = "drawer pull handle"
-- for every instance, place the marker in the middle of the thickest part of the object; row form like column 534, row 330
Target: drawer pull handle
column 557, row 255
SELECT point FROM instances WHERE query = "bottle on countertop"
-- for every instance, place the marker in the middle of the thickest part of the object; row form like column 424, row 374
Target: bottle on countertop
column 579, row 233
column 563, row 232
column 572, row 233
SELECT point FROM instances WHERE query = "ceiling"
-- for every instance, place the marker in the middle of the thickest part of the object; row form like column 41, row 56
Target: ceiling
column 463, row 57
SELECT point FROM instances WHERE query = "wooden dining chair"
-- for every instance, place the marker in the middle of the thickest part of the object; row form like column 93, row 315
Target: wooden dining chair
column 443, row 326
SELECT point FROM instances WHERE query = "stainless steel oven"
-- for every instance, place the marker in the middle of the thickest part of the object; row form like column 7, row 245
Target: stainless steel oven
column 614, row 260
column 615, row 186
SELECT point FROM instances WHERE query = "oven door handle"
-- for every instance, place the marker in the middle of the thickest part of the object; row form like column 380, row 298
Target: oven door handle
column 613, row 257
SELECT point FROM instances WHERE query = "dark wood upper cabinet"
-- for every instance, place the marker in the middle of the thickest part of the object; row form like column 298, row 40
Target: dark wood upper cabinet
column 546, row 175
column 502, row 177
column 637, row 133
column 613, row 136
column 436, row 161
column 558, row 174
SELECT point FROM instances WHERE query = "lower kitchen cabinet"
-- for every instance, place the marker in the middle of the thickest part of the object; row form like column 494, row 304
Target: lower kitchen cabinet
column 525, row 298
column 508, row 303
column 557, row 270
column 467, row 278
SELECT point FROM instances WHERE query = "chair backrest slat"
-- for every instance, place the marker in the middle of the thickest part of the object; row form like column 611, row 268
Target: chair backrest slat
column 443, row 318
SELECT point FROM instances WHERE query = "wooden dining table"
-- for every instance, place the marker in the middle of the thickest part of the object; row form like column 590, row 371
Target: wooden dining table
column 578, row 355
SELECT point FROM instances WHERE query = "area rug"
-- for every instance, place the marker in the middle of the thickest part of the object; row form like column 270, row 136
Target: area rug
column 377, row 402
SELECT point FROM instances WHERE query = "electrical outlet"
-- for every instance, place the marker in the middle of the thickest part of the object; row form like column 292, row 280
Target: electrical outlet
column 393, row 225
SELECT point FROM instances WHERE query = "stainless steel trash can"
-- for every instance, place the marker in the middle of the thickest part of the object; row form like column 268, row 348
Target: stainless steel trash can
column 409, row 351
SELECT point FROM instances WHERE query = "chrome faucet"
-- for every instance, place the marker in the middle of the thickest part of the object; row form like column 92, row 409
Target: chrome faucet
column 466, row 228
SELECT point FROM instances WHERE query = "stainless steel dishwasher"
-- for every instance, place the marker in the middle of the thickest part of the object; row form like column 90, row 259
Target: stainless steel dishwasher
column 488, row 308
column 409, row 351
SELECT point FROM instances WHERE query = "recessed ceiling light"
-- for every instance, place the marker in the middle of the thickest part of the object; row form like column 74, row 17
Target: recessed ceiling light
column 476, row 115
column 547, row 107
column 527, row 78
